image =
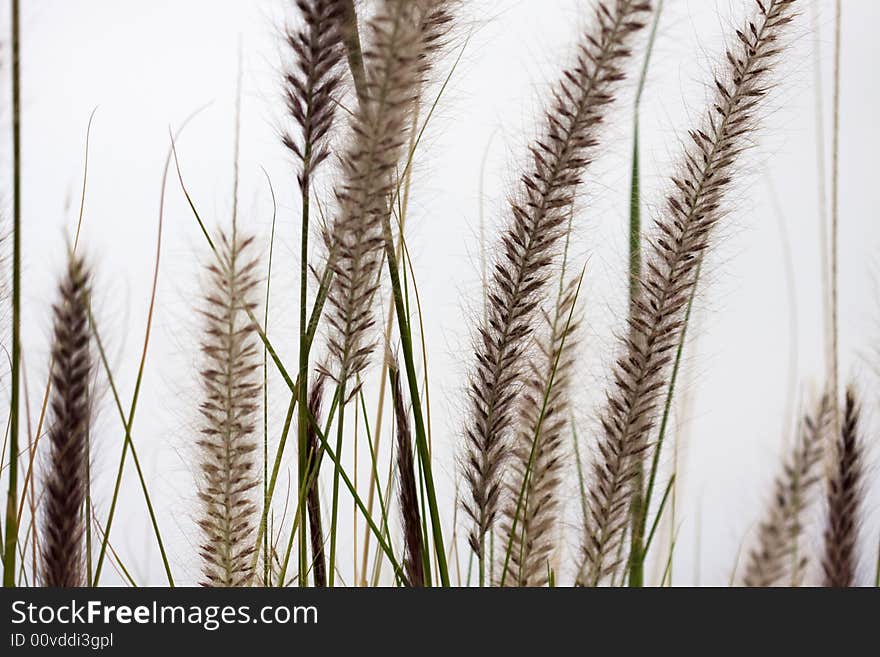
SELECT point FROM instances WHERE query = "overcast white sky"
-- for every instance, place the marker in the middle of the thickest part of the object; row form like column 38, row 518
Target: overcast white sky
column 147, row 66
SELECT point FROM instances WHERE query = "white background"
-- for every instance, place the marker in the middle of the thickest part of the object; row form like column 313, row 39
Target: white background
column 757, row 351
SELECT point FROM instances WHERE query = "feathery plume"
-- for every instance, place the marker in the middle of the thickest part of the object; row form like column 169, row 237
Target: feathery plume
column 529, row 523
column 228, row 441
column 63, row 523
column 530, row 244
column 408, row 491
column 310, row 85
column 844, row 501
column 775, row 560
column 404, row 33
column 313, row 506
column 682, row 234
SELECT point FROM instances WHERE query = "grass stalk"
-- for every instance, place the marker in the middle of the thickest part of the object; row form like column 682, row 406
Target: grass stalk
column 302, row 388
column 835, row 226
column 670, row 487
column 637, row 547
column 821, row 193
column 11, row 536
column 267, row 570
column 334, row 513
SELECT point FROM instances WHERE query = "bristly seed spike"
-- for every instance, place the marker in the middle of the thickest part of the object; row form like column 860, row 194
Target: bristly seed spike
column 230, row 394
column 62, row 561
column 667, row 282
column 530, row 246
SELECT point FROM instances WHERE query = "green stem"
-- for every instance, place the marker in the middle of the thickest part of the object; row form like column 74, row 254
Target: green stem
column 637, row 551
column 334, row 516
column 267, row 570
column 302, row 411
column 670, row 487
column 406, row 346
column 12, row 496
